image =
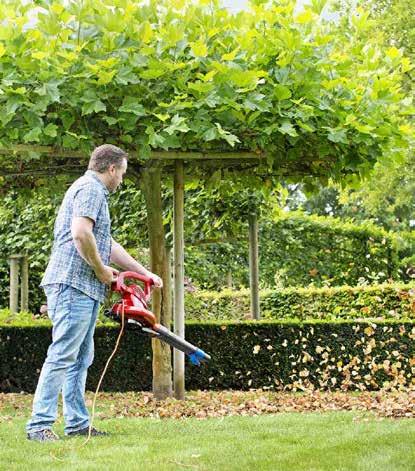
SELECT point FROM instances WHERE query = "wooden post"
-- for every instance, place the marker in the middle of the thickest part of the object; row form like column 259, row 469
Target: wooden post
column 24, row 280
column 253, row 265
column 168, row 287
column 162, row 384
column 229, row 281
column 178, row 248
column 14, row 283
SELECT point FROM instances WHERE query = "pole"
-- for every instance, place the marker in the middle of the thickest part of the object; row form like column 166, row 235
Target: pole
column 14, row 283
column 24, row 293
column 178, row 248
column 253, row 265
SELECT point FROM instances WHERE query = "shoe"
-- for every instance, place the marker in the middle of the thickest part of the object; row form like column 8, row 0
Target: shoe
column 45, row 435
column 85, row 432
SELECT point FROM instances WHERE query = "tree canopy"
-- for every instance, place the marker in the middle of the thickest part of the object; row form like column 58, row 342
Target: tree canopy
column 315, row 96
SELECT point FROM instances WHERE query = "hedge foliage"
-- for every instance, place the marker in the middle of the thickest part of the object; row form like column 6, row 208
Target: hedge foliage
column 346, row 355
column 387, row 301
column 300, row 250
column 295, row 249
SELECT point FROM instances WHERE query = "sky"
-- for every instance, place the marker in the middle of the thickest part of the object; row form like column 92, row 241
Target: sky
column 235, row 5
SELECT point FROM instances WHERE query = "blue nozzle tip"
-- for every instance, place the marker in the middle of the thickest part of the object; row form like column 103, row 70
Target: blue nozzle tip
column 197, row 356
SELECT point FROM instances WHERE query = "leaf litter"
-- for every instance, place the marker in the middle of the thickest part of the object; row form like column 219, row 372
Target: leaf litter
column 207, row 404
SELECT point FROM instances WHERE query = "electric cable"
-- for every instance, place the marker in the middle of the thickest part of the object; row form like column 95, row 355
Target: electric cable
column 103, row 374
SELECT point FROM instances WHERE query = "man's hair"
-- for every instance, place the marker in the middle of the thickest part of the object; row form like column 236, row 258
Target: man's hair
column 104, row 156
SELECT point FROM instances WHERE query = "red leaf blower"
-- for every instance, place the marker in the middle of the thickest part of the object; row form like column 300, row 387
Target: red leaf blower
column 134, row 302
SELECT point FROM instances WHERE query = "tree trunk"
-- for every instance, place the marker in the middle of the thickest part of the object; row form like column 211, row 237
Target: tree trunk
column 162, row 371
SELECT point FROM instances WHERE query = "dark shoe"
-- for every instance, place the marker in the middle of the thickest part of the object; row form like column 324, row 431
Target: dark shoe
column 45, row 435
column 85, row 432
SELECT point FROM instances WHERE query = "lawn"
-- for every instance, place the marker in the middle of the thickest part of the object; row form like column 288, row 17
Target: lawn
column 321, row 440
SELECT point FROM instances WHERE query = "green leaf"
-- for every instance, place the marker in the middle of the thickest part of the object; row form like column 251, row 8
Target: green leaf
column 178, row 123
column 110, row 120
column 201, row 87
column 305, row 17
column 155, row 140
column 131, row 105
column 51, row 130
column 152, row 73
column 230, row 56
column 33, row 135
column 281, row 92
column 211, row 134
column 105, row 76
column 393, row 53
column 51, row 90
column 67, row 119
column 337, row 135
column 93, row 107
column 162, row 117
column 231, row 139
column 287, row 128
column 199, row 49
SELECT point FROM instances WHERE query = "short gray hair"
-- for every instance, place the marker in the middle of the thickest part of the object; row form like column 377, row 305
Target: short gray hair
column 104, row 156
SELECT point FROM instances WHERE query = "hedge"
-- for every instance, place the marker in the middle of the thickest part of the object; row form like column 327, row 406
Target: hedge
column 387, row 301
column 346, row 355
column 300, row 250
column 295, row 249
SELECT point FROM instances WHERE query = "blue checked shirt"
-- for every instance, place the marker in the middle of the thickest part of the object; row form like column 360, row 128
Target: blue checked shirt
column 86, row 197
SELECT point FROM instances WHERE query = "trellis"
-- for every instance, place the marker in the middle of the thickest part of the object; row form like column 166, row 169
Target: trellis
column 175, row 162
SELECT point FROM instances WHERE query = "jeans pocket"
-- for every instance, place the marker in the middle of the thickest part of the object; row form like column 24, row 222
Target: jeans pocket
column 53, row 292
column 81, row 306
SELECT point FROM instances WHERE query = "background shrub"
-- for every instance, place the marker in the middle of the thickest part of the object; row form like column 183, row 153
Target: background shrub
column 387, row 301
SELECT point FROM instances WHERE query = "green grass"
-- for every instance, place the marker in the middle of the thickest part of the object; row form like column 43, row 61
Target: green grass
column 288, row 441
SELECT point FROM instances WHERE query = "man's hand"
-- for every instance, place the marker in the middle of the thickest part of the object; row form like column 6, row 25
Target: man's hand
column 158, row 282
column 107, row 274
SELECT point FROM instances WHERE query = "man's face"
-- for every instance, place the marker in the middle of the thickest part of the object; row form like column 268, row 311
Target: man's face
column 116, row 175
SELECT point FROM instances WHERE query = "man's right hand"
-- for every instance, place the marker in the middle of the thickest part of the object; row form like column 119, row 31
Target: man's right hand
column 106, row 274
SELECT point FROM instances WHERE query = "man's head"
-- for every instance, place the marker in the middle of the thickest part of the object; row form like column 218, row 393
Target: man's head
column 110, row 162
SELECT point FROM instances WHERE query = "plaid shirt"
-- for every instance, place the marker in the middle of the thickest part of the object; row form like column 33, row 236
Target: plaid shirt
column 86, row 197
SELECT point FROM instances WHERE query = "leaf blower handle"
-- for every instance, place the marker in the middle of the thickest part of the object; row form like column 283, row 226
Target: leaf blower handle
column 118, row 284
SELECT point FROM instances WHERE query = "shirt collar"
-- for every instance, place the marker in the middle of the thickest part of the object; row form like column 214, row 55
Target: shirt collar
column 91, row 173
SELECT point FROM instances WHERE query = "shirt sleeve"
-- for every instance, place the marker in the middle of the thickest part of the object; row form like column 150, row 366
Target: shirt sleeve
column 87, row 203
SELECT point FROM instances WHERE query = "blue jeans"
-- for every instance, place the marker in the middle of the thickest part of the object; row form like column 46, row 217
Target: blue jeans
column 71, row 352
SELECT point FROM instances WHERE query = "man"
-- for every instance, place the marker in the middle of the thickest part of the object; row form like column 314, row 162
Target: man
column 75, row 282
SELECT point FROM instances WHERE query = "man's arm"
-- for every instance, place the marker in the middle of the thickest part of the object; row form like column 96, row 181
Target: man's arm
column 124, row 260
column 85, row 243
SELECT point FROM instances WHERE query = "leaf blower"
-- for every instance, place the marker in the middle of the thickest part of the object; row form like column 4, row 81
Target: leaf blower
column 134, row 306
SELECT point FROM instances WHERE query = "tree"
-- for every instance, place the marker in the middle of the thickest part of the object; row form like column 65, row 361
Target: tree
column 387, row 197
column 318, row 98
column 396, row 18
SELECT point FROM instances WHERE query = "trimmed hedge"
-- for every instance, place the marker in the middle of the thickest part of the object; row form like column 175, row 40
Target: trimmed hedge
column 300, row 250
column 388, row 301
column 345, row 355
